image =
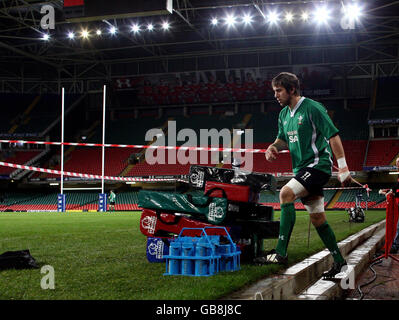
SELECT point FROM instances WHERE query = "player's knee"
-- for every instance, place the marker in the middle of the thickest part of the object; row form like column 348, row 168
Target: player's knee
column 287, row 195
column 291, row 191
column 318, row 219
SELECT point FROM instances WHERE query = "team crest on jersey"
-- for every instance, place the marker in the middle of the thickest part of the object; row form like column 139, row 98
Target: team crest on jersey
column 300, row 119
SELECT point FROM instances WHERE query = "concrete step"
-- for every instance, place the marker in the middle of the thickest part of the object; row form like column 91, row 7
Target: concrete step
column 357, row 260
column 292, row 281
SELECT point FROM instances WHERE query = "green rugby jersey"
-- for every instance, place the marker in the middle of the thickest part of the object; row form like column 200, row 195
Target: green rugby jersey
column 307, row 130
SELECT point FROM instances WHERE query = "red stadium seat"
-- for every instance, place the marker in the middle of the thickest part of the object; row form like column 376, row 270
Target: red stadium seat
column 382, row 152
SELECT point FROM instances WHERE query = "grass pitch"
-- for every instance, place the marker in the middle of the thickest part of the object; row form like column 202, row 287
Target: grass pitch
column 103, row 256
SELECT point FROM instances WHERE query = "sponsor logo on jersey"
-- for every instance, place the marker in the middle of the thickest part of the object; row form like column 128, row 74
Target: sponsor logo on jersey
column 292, row 136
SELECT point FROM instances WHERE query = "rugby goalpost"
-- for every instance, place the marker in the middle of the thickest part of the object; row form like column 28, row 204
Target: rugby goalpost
column 61, row 201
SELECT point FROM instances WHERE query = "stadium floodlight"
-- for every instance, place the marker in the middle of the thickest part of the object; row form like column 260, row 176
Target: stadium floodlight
column 321, row 15
column 85, row 34
column 165, row 25
column 135, row 28
column 46, row 37
column 112, row 30
column 98, row 32
column 71, row 35
column 247, row 19
column 214, row 21
column 288, row 17
column 150, row 27
column 304, row 16
column 230, row 20
column 352, row 11
column 272, row 17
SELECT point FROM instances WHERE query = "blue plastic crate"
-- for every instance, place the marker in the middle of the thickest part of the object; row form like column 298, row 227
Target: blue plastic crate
column 230, row 257
column 203, row 255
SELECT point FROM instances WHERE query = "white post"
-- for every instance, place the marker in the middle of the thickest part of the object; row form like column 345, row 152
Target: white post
column 103, row 147
column 62, row 140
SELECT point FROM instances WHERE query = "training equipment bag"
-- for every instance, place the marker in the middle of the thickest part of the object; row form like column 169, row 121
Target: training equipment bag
column 214, row 209
column 233, row 192
column 199, row 175
column 157, row 223
column 17, row 260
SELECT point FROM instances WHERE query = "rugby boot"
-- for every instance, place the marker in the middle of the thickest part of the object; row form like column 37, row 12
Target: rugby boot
column 335, row 269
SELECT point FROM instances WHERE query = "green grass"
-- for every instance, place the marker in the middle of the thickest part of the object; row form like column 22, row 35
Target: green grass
column 103, row 256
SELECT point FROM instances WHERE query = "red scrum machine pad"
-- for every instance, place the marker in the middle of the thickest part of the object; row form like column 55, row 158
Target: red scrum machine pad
column 153, row 223
column 233, row 192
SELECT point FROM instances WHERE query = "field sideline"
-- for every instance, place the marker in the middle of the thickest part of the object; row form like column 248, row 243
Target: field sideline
column 102, row 256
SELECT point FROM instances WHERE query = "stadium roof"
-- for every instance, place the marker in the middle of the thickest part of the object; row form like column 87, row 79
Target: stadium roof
column 191, row 35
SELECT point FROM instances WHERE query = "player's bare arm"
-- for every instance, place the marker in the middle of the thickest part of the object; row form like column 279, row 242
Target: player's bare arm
column 274, row 148
column 343, row 173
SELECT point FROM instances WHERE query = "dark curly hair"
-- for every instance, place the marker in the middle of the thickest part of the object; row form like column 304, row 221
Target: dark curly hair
column 288, row 81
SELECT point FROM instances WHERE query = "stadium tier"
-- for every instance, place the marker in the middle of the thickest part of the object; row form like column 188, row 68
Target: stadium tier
column 17, row 157
column 79, row 201
column 387, row 96
column 348, row 199
column 133, row 131
column 127, row 131
column 377, row 200
column 127, row 200
column 389, row 113
column 31, row 113
column 208, row 122
column 191, row 92
column 264, row 126
column 168, row 167
column 28, row 201
column 40, row 113
column 355, row 151
column 382, row 152
column 273, row 200
column 283, row 165
column 88, row 160
column 13, row 110
column 352, row 124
